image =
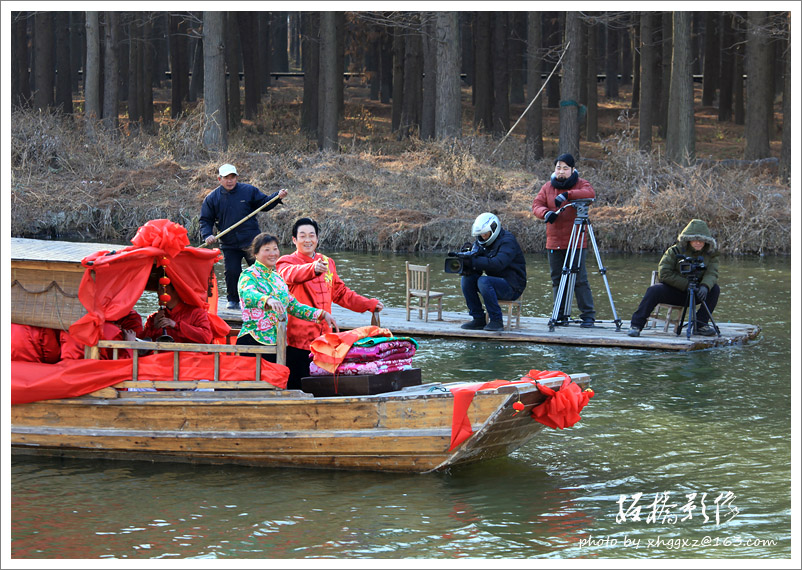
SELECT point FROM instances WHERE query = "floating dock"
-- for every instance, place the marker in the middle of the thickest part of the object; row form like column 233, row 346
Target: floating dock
column 535, row 329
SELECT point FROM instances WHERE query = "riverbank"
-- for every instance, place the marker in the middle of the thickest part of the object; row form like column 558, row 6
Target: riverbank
column 380, row 194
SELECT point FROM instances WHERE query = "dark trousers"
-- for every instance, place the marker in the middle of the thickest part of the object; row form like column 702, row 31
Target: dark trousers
column 662, row 293
column 492, row 289
column 582, row 294
column 232, row 258
column 248, row 340
column 298, row 363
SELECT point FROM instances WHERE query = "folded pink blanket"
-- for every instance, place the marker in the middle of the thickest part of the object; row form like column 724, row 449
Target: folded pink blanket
column 357, row 368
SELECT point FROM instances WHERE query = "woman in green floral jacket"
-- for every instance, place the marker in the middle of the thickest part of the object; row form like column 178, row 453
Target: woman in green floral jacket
column 265, row 299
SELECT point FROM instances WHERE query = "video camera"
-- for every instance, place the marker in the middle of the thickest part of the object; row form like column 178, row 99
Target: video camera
column 460, row 261
column 691, row 266
column 582, row 206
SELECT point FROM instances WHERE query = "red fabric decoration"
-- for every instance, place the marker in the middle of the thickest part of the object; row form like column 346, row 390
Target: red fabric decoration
column 164, row 234
column 561, row 409
column 31, row 381
column 461, row 428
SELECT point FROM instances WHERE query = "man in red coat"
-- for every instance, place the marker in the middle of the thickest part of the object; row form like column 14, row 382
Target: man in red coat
column 312, row 279
column 565, row 186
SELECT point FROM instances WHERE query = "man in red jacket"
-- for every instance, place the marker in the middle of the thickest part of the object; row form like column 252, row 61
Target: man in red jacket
column 565, row 186
column 312, row 279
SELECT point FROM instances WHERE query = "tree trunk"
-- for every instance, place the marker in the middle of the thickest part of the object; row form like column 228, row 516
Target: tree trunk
column 146, row 89
column 665, row 81
column 501, row 75
column 759, row 88
column 215, row 133
column 61, row 23
column 592, row 131
column 785, row 152
column 111, row 80
column 555, row 24
column 399, row 48
column 466, row 20
column 428, row 96
column 327, row 132
column 483, row 74
column 198, row 63
column 43, row 61
column 636, row 68
column 711, row 64
column 625, row 41
column 178, row 65
column 739, row 112
column 265, row 43
column 516, row 42
column 92, row 80
column 310, row 54
column 386, row 65
column 278, row 41
column 726, row 68
column 569, row 106
column 411, row 109
column 649, row 102
column 680, row 136
column 449, row 106
column 232, row 59
column 339, row 30
column 534, row 117
column 77, row 48
column 611, row 62
column 250, row 63
column 21, row 88
column 134, row 65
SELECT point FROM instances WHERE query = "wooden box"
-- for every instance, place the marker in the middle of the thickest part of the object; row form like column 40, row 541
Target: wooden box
column 362, row 385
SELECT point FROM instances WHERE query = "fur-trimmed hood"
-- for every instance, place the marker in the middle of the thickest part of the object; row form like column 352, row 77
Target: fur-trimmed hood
column 696, row 230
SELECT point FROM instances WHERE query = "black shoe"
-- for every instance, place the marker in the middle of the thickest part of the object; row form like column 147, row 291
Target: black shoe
column 232, row 305
column 494, row 326
column 704, row 330
column 474, row 325
column 633, row 331
column 587, row 323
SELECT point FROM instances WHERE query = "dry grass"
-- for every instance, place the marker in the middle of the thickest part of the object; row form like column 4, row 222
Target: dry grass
column 378, row 193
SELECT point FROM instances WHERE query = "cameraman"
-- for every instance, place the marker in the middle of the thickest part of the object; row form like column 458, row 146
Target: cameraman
column 497, row 253
column 564, row 186
column 696, row 243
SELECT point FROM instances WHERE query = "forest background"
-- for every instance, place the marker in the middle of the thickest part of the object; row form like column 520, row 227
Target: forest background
column 395, row 129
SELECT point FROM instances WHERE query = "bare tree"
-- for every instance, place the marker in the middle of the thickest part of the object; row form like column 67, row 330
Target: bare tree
column 43, row 60
column 569, row 106
column 534, row 117
column 649, row 102
column 327, row 123
column 111, row 70
column 448, row 119
column 483, row 73
column 785, row 152
column 399, row 48
column 501, row 74
column 711, row 63
column 310, row 54
column 232, row 58
column 759, row 87
column 250, row 62
column 215, row 134
column 429, row 82
column 726, row 67
column 61, row 23
column 20, row 79
column 680, row 136
column 592, row 83
column 92, row 80
column 666, row 21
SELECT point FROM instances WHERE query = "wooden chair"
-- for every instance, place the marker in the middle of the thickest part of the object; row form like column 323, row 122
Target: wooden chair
column 418, row 287
column 513, row 310
column 673, row 313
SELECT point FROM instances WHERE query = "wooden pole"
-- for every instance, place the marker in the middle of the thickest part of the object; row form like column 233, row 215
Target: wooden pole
column 248, row 217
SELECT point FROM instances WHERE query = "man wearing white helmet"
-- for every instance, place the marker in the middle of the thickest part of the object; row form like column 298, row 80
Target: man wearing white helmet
column 494, row 268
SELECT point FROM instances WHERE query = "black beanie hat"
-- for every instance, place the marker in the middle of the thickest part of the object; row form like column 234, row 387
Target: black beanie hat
column 566, row 158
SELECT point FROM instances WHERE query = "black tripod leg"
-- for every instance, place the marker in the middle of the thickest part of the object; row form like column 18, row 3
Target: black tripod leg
column 565, row 280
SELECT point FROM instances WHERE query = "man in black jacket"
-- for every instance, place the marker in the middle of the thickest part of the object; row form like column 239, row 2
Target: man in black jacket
column 225, row 206
column 495, row 268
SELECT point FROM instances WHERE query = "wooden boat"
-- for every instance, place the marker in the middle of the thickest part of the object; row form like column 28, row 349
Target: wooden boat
column 251, row 422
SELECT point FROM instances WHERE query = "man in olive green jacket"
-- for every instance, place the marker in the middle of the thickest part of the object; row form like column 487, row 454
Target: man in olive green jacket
column 695, row 250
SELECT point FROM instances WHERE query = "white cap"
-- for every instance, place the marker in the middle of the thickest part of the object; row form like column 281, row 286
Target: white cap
column 227, row 169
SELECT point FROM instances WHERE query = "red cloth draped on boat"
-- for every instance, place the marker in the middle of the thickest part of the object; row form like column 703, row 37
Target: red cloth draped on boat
column 559, row 410
column 114, row 281
column 34, row 381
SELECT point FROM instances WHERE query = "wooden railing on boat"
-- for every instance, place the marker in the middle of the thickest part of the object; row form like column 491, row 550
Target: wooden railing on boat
column 177, row 348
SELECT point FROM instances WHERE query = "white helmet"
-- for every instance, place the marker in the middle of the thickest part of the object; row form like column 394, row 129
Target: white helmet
column 486, row 222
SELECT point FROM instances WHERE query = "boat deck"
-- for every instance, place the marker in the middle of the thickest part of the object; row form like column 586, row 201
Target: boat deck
column 535, row 329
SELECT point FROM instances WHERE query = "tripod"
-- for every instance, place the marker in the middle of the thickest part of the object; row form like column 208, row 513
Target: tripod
column 572, row 262
column 690, row 309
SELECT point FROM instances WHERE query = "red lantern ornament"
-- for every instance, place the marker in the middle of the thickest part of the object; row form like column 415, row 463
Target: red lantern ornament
column 164, row 298
column 518, row 407
column 163, row 261
column 164, row 281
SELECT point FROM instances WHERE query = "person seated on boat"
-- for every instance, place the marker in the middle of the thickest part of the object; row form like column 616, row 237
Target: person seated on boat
column 493, row 267
column 112, row 330
column 177, row 320
column 266, row 300
column 695, row 242
column 35, row 344
column 312, row 279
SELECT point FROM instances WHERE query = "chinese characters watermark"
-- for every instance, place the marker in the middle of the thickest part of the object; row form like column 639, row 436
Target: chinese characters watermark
column 662, row 511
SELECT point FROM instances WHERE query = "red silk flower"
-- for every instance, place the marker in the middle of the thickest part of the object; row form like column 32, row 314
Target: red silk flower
column 164, row 234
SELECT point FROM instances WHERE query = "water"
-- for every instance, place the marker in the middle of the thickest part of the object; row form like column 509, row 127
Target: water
column 716, row 421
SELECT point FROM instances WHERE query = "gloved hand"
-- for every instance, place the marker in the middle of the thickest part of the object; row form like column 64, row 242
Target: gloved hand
column 467, row 263
column 550, row 217
column 701, row 293
column 558, row 201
